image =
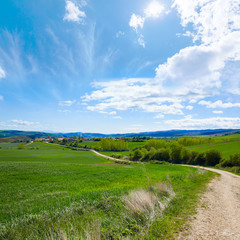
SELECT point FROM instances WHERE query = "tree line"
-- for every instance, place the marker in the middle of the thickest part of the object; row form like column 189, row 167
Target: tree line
column 173, row 152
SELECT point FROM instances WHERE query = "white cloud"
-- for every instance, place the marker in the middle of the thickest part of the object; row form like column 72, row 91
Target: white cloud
column 159, row 116
column 189, row 76
column 136, row 22
column 213, row 123
column 109, row 113
column 117, row 117
column 212, row 19
column 2, row 73
column 154, row 10
column 133, row 94
column 218, row 104
column 73, row 14
column 64, row 111
column 67, row 103
column 189, row 107
column 218, row 112
column 1, row 98
column 193, row 101
column 24, row 123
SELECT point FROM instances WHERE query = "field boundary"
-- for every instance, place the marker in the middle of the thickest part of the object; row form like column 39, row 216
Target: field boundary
column 95, row 152
column 212, row 144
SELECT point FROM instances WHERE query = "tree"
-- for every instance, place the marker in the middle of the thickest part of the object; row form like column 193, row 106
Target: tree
column 185, row 155
column 176, row 152
column 162, row 154
column 213, row 157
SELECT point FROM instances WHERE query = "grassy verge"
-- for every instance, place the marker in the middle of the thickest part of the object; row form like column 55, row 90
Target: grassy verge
column 50, row 193
column 226, row 149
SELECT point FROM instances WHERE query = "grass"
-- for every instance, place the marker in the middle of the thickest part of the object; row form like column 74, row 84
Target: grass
column 50, row 192
column 226, row 149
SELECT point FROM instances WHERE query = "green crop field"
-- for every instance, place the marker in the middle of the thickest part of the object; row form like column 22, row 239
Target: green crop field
column 226, row 149
column 50, row 192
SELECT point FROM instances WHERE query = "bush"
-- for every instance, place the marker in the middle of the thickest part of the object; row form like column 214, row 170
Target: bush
column 162, row 154
column 192, row 158
column 213, row 157
column 137, row 155
column 233, row 161
column 21, row 146
column 200, row 159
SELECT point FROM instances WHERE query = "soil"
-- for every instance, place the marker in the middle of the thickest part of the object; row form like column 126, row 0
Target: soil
column 218, row 216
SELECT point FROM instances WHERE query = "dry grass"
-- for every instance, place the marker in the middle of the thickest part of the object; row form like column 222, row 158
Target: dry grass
column 94, row 233
column 140, row 201
column 151, row 202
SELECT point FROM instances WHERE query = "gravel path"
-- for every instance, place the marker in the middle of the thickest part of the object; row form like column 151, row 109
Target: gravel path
column 218, row 216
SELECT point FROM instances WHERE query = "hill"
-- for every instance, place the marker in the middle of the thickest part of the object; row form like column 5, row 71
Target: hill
column 170, row 133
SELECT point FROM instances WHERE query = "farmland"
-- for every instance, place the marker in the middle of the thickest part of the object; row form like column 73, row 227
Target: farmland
column 51, row 192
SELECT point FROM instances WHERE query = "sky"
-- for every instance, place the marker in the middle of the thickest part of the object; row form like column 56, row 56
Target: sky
column 119, row 66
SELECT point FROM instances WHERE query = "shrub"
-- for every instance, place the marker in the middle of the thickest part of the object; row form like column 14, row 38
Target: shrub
column 192, row 158
column 213, row 157
column 162, row 154
column 137, row 155
column 200, row 159
column 21, row 146
column 233, row 161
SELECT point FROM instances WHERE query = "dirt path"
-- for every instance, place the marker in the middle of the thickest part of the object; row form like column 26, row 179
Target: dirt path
column 218, row 216
column 107, row 157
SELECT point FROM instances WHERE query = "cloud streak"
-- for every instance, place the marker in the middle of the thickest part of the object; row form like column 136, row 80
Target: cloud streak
column 218, row 104
column 213, row 123
column 2, row 73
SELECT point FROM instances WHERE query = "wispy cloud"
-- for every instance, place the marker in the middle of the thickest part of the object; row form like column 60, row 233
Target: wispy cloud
column 218, row 112
column 119, row 34
column 218, row 104
column 214, row 123
column 73, row 13
column 2, row 73
column 18, row 63
column 189, row 107
column 24, row 123
column 64, row 111
column 67, row 103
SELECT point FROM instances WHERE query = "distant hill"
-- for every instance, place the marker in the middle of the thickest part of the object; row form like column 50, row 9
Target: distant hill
column 15, row 139
column 31, row 135
column 170, row 133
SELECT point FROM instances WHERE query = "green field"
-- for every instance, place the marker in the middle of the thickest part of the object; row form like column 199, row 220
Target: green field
column 226, row 149
column 50, row 192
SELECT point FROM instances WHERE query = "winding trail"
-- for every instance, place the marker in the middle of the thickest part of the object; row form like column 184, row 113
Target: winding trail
column 218, row 216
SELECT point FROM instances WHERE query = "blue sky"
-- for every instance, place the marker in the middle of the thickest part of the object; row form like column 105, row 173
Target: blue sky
column 119, row 66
